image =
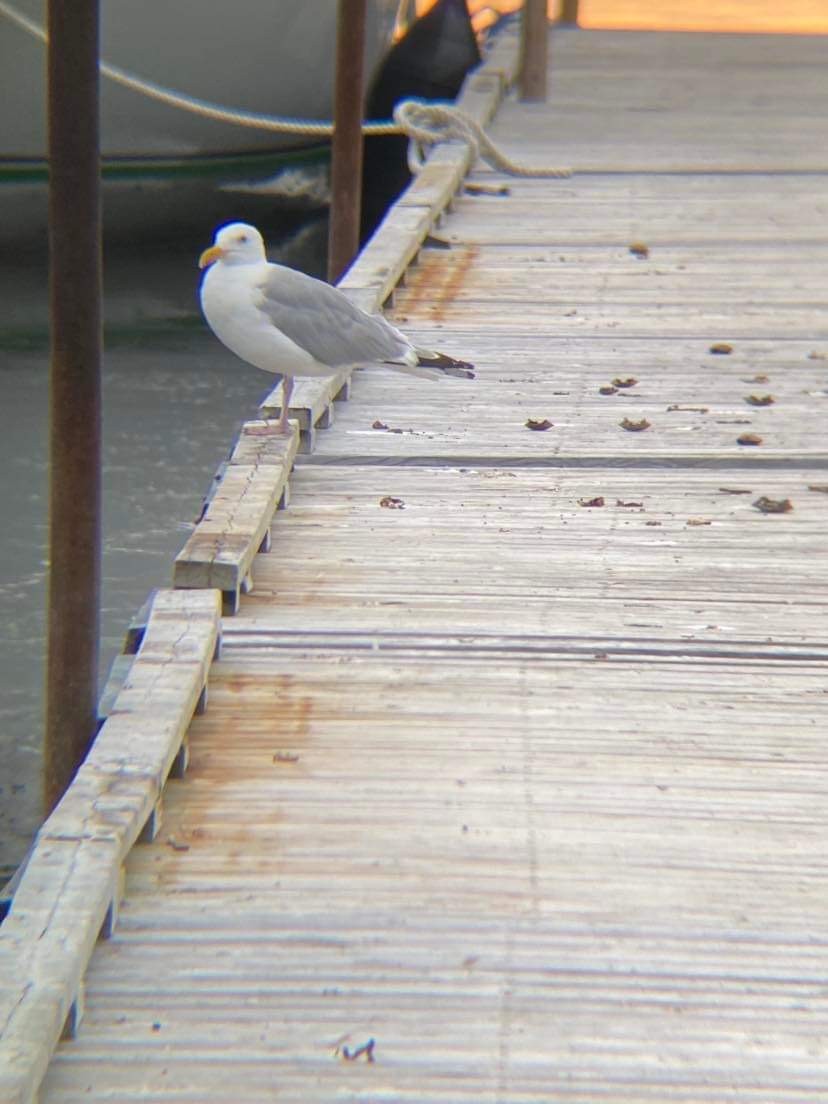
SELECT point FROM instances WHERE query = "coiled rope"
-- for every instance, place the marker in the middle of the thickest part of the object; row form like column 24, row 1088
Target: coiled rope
column 425, row 123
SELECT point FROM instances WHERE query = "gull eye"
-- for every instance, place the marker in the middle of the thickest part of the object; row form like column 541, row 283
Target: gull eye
column 242, row 237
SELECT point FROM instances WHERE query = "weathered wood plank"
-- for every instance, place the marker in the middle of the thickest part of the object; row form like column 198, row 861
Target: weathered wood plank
column 311, row 405
column 382, row 263
column 579, row 274
column 45, row 945
column 744, row 220
column 668, row 320
column 221, row 550
column 690, row 105
column 532, row 554
column 696, row 402
column 117, row 677
column 518, row 771
column 311, row 941
column 387, row 255
column 71, row 883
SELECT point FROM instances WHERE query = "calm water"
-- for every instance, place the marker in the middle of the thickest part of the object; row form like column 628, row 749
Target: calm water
column 173, row 401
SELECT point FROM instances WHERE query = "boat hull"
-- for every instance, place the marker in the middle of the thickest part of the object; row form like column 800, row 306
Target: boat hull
column 273, row 57
column 162, row 163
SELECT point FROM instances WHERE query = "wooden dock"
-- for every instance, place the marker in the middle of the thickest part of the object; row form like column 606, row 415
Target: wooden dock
column 511, row 784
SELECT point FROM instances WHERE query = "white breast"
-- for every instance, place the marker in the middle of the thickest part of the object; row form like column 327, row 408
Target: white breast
column 228, row 300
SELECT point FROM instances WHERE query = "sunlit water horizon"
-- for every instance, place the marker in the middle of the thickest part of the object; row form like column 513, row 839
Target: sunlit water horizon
column 739, row 16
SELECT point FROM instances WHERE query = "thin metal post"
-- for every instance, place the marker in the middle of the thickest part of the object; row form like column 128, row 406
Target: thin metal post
column 569, row 12
column 346, row 167
column 75, row 392
column 533, row 51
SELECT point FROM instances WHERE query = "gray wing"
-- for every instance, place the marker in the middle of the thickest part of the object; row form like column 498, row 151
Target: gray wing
column 323, row 321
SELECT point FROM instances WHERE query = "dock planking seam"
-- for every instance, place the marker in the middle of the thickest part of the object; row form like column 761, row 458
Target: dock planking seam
column 383, row 644
column 688, row 461
column 527, row 852
column 476, row 645
column 221, row 550
column 69, row 892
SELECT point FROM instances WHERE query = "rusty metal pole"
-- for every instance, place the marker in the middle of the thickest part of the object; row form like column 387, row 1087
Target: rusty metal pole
column 569, row 12
column 346, row 167
column 75, row 392
column 533, row 51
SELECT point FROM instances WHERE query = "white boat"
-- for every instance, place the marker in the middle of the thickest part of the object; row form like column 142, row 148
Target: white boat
column 272, row 57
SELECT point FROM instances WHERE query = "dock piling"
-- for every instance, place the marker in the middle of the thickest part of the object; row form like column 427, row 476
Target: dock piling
column 533, row 51
column 75, row 395
column 346, row 157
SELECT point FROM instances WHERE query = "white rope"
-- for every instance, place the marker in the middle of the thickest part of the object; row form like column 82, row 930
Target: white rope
column 426, row 124
column 196, row 106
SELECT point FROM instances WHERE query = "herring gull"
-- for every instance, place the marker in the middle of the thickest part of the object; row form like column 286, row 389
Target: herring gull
column 284, row 321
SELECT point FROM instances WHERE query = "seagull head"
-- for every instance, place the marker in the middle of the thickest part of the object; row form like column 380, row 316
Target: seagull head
column 236, row 243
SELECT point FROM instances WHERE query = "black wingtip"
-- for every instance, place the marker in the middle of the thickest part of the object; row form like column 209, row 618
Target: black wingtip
column 460, row 369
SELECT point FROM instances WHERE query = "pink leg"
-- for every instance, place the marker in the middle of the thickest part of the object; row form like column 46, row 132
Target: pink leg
column 287, row 391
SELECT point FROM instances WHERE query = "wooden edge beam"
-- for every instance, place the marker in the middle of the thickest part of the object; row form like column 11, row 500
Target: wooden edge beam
column 110, row 922
column 381, row 265
column 69, row 892
column 383, row 261
column 9, row 889
column 503, row 57
column 436, row 185
column 220, row 551
column 138, row 626
column 311, row 404
column 115, row 680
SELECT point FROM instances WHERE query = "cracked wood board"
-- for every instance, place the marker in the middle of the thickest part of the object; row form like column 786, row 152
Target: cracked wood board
column 236, row 521
column 70, row 888
column 45, row 945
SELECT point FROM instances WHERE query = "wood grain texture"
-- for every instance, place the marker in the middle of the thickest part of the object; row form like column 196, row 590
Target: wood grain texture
column 70, row 888
column 528, row 551
column 515, row 758
column 236, row 519
column 220, row 552
column 311, row 405
column 635, row 102
column 370, row 281
column 695, row 401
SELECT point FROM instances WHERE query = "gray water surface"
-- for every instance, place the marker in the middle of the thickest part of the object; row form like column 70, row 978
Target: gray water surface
column 173, row 402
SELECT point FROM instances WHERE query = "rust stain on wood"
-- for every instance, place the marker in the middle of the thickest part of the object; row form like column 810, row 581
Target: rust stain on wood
column 513, row 787
column 433, row 286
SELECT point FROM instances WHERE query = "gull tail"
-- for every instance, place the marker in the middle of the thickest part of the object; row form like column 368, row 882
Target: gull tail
column 444, row 365
column 429, row 365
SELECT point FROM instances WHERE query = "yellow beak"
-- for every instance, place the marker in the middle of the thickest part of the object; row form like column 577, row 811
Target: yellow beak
column 214, row 253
